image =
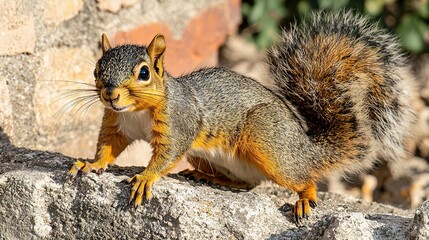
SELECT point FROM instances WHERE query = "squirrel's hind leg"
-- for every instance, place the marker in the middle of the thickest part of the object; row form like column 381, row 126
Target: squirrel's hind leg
column 208, row 173
column 278, row 149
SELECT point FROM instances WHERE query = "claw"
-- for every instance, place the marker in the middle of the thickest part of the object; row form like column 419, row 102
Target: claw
column 298, row 211
column 307, row 200
column 302, row 210
column 142, row 188
column 73, row 172
column 313, row 204
column 138, row 200
column 86, row 167
column 148, row 190
column 77, row 166
column 131, row 179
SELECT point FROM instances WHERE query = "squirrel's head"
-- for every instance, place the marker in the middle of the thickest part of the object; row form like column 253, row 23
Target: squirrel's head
column 131, row 77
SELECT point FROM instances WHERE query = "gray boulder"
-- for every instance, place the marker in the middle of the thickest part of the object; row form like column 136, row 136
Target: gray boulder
column 39, row 202
column 420, row 227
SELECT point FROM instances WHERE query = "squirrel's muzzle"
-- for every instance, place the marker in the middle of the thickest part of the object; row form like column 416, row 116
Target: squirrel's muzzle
column 110, row 94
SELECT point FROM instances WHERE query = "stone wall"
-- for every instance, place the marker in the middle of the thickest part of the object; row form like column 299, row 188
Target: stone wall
column 48, row 46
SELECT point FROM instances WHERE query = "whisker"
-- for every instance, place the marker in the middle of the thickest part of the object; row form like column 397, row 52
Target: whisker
column 77, row 91
column 71, row 108
column 81, row 98
column 60, row 113
column 76, row 98
column 81, row 110
column 74, row 95
column 147, row 97
column 90, row 60
column 91, row 106
column 146, row 94
column 71, row 82
column 73, row 111
column 80, row 89
column 72, row 104
column 137, row 89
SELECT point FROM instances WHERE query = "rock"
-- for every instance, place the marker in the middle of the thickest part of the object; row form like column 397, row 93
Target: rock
column 420, row 226
column 357, row 225
column 423, row 123
column 36, row 196
column 59, row 11
column 422, row 74
column 17, row 33
column 243, row 57
column 423, row 147
column 114, row 5
column 348, row 226
column 6, row 109
column 40, row 202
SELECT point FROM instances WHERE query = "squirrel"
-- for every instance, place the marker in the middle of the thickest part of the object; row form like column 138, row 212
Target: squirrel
column 338, row 103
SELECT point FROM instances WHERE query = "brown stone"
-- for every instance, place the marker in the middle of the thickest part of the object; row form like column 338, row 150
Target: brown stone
column 198, row 44
column 6, row 120
column 234, row 15
column 16, row 31
column 114, row 5
column 58, row 11
column 59, row 112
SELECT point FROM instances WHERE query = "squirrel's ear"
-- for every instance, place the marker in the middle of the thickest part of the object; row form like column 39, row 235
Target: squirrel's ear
column 105, row 44
column 156, row 51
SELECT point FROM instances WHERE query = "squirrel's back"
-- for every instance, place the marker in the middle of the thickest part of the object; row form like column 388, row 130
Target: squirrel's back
column 343, row 77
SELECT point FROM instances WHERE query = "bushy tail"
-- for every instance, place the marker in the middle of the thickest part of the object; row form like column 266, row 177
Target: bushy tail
column 343, row 77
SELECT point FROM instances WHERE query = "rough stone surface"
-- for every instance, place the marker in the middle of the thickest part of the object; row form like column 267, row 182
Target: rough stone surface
column 58, row 11
column 17, row 32
column 115, row 5
column 6, row 109
column 41, row 203
column 348, row 226
column 420, row 227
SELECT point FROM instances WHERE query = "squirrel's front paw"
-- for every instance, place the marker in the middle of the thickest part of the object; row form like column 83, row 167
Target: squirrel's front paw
column 86, row 167
column 143, row 185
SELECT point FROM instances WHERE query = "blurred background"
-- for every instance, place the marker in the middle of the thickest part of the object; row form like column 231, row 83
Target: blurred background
column 404, row 184
column 407, row 19
column 49, row 49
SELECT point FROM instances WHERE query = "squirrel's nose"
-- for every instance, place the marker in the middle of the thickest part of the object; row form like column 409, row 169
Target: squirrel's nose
column 111, row 94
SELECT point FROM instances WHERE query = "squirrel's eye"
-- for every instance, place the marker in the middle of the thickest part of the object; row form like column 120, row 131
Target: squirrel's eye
column 144, row 73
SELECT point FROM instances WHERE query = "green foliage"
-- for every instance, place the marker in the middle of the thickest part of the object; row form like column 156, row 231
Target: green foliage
column 409, row 19
column 412, row 30
column 264, row 16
